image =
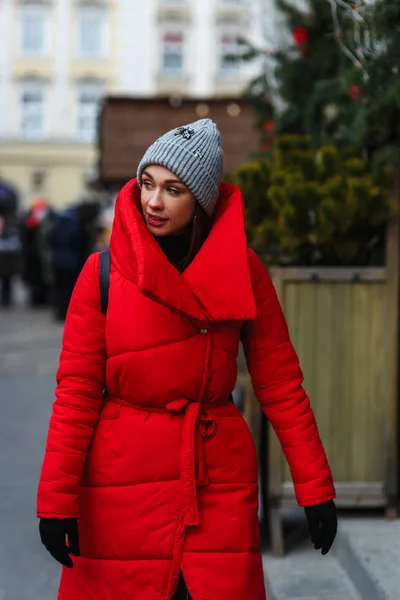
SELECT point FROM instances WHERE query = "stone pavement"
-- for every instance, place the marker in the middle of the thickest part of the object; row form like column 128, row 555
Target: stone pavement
column 29, row 351
column 303, row 574
column 26, row 570
column 30, row 343
column 364, row 564
column 370, row 550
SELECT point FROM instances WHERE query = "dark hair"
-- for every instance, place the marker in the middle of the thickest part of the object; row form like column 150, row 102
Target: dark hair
column 200, row 229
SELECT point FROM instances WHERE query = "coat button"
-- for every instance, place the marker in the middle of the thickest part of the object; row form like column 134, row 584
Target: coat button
column 204, row 330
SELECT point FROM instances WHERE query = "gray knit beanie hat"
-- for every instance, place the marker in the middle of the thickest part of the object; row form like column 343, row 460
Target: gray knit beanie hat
column 194, row 154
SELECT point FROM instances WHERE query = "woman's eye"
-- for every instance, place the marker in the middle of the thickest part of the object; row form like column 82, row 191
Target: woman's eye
column 173, row 191
column 147, row 184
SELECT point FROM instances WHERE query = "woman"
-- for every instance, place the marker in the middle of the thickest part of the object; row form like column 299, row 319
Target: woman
column 162, row 477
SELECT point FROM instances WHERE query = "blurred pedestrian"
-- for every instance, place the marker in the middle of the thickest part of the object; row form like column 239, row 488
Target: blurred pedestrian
column 10, row 255
column 70, row 246
column 156, row 486
column 10, row 242
column 36, row 271
column 89, row 210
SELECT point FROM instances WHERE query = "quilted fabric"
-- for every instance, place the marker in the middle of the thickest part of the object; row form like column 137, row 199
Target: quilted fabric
column 163, row 475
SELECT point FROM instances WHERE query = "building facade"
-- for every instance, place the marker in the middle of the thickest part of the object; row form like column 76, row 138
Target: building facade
column 181, row 46
column 59, row 57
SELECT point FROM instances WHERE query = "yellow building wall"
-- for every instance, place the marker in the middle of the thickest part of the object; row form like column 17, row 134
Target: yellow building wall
column 64, row 168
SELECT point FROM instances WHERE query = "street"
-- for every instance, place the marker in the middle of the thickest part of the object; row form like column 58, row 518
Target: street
column 29, row 348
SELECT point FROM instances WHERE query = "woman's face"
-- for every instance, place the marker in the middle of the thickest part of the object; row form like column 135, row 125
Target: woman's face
column 168, row 206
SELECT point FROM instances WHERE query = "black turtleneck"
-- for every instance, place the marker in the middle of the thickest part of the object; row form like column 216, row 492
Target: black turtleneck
column 176, row 247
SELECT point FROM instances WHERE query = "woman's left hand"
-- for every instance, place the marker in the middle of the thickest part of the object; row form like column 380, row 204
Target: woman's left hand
column 322, row 523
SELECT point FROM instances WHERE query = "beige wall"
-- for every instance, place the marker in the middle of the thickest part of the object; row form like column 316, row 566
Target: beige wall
column 64, row 167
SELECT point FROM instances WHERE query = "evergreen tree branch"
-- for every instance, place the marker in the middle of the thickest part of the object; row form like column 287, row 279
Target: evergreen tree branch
column 357, row 57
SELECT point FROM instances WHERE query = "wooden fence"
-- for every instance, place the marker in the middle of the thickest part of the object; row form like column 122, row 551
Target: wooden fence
column 344, row 327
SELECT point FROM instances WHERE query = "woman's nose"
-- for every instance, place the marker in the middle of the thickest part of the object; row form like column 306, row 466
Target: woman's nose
column 155, row 201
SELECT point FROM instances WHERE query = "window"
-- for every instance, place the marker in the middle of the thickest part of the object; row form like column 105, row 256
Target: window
column 32, row 113
column 91, row 33
column 173, row 53
column 88, row 109
column 32, row 30
column 229, row 48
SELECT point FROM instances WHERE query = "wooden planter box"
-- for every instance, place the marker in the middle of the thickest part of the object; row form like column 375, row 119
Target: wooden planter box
column 344, row 327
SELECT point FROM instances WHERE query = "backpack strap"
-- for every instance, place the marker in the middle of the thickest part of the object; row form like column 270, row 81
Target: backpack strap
column 105, row 261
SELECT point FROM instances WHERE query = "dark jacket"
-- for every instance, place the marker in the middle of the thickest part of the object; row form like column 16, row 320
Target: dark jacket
column 68, row 241
column 10, row 248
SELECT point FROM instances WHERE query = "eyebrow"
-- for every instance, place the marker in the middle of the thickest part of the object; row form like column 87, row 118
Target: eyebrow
column 166, row 181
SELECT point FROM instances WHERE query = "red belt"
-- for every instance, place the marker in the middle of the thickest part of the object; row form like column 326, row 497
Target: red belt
column 197, row 426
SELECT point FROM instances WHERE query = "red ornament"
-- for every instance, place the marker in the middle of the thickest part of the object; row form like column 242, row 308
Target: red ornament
column 354, row 92
column 300, row 35
column 268, row 126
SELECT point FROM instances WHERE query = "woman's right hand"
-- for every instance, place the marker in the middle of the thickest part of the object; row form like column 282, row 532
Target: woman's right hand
column 53, row 533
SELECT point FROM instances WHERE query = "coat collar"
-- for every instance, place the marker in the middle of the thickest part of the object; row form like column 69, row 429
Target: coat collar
column 217, row 284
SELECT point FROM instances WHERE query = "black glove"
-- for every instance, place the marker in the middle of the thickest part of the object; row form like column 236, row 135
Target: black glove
column 322, row 523
column 53, row 533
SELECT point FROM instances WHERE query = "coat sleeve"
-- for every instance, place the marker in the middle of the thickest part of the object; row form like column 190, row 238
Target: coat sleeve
column 277, row 381
column 79, row 398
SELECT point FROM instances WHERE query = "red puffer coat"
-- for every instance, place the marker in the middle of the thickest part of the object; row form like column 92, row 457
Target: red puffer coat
column 163, row 475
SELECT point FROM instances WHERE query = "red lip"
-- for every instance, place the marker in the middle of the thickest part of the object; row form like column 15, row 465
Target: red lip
column 155, row 221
